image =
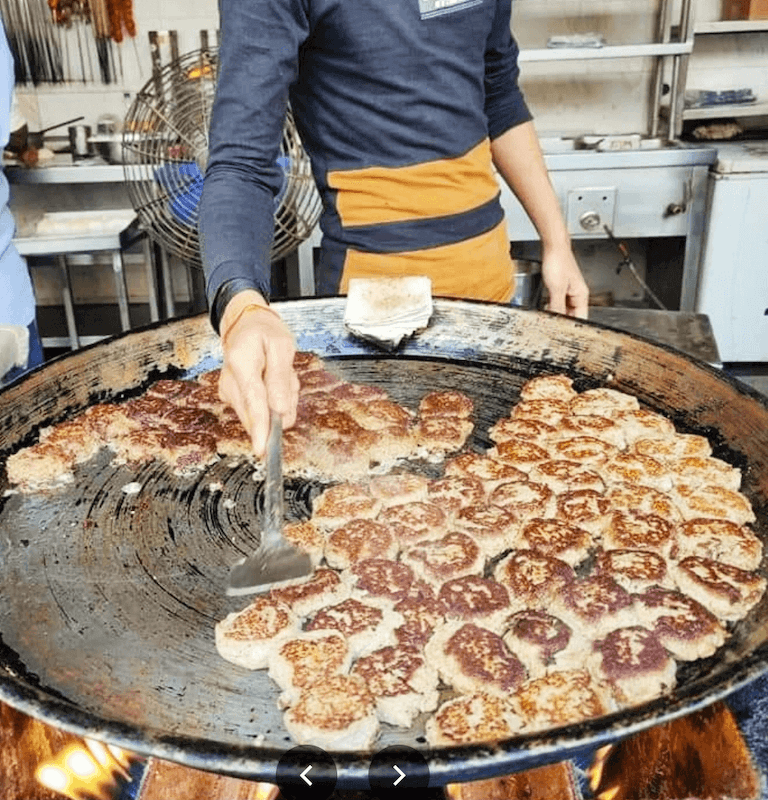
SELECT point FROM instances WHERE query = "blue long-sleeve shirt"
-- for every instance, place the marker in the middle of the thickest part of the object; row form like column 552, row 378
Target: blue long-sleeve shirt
column 396, row 103
column 17, row 299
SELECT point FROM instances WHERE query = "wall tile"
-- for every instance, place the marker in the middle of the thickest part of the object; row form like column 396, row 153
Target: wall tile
column 29, row 107
column 730, row 61
column 188, row 9
column 568, row 98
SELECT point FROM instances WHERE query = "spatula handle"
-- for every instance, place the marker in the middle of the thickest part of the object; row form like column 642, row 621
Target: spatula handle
column 273, row 482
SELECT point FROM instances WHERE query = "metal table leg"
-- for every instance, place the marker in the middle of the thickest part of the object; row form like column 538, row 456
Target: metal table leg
column 165, row 270
column 306, row 256
column 149, row 261
column 121, row 288
column 69, row 307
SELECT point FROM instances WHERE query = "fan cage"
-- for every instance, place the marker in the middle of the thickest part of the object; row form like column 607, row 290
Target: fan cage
column 165, row 153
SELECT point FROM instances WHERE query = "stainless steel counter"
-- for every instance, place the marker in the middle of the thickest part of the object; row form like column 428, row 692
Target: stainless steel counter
column 642, row 193
column 559, row 154
column 657, row 190
column 566, row 154
column 685, row 331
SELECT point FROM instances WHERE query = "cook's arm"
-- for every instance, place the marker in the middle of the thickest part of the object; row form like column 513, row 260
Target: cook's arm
column 258, row 60
column 518, row 158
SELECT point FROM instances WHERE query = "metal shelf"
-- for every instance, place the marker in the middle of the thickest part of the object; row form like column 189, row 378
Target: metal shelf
column 732, row 26
column 717, row 112
column 757, row 109
column 672, row 47
column 613, row 51
column 62, row 172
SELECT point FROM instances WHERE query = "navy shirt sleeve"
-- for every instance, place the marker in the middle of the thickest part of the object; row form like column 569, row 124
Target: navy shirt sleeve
column 505, row 105
column 419, row 90
column 258, row 62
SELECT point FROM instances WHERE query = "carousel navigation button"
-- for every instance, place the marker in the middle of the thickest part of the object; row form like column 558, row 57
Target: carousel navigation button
column 306, row 773
column 397, row 768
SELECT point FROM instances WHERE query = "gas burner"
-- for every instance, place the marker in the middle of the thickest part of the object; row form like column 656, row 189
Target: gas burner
column 718, row 752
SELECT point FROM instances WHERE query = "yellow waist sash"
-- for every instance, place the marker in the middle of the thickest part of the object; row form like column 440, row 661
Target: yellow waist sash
column 479, row 268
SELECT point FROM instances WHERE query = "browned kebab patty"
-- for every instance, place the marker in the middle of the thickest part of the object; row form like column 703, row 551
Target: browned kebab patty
column 558, row 575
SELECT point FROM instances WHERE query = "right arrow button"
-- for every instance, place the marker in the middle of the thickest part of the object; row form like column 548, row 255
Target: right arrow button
column 408, row 764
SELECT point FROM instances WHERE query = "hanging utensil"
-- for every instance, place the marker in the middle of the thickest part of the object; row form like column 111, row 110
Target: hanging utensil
column 36, row 139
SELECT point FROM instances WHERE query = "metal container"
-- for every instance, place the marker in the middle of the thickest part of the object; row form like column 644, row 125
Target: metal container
column 108, row 597
column 108, row 139
column 37, row 139
column 80, row 141
column 527, row 284
column 109, row 146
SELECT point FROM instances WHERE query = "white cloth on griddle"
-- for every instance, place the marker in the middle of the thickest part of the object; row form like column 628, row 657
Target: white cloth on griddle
column 386, row 310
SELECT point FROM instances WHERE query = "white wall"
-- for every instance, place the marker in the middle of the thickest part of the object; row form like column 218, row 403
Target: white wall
column 576, row 97
column 572, row 98
column 48, row 104
column 567, row 98
column 728, row 61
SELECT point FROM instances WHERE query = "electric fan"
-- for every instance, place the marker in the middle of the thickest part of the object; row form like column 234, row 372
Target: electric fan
column 165, row 151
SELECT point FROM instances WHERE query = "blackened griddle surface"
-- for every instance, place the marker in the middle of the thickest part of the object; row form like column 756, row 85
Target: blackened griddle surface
column 111, row 586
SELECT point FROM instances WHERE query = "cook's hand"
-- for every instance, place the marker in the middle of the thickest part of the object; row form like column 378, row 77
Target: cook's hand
column 568, row 291
column 257, row 373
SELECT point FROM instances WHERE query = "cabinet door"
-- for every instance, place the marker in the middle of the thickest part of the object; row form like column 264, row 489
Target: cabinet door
column 733, row 287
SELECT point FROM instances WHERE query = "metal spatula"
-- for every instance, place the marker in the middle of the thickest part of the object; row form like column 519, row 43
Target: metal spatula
column 275, row 560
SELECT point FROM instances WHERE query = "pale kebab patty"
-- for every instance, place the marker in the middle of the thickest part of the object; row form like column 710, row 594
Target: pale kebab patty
column 609, row 470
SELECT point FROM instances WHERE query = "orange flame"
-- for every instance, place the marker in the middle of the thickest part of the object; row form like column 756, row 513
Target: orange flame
column 203, row 71
column 266, row 791
column 596, row 770
column 82, row 772
column 550, row 782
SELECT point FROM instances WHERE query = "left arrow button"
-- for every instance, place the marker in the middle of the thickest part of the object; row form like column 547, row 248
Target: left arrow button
column 295, row 768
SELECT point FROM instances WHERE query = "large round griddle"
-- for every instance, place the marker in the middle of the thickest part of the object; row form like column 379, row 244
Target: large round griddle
column 108, row 598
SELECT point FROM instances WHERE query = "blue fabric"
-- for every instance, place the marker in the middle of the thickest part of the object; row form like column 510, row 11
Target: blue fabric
column 750, row 707
column 184, row 184
column 420, row 234
column 17, row 300
column 370, row 83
